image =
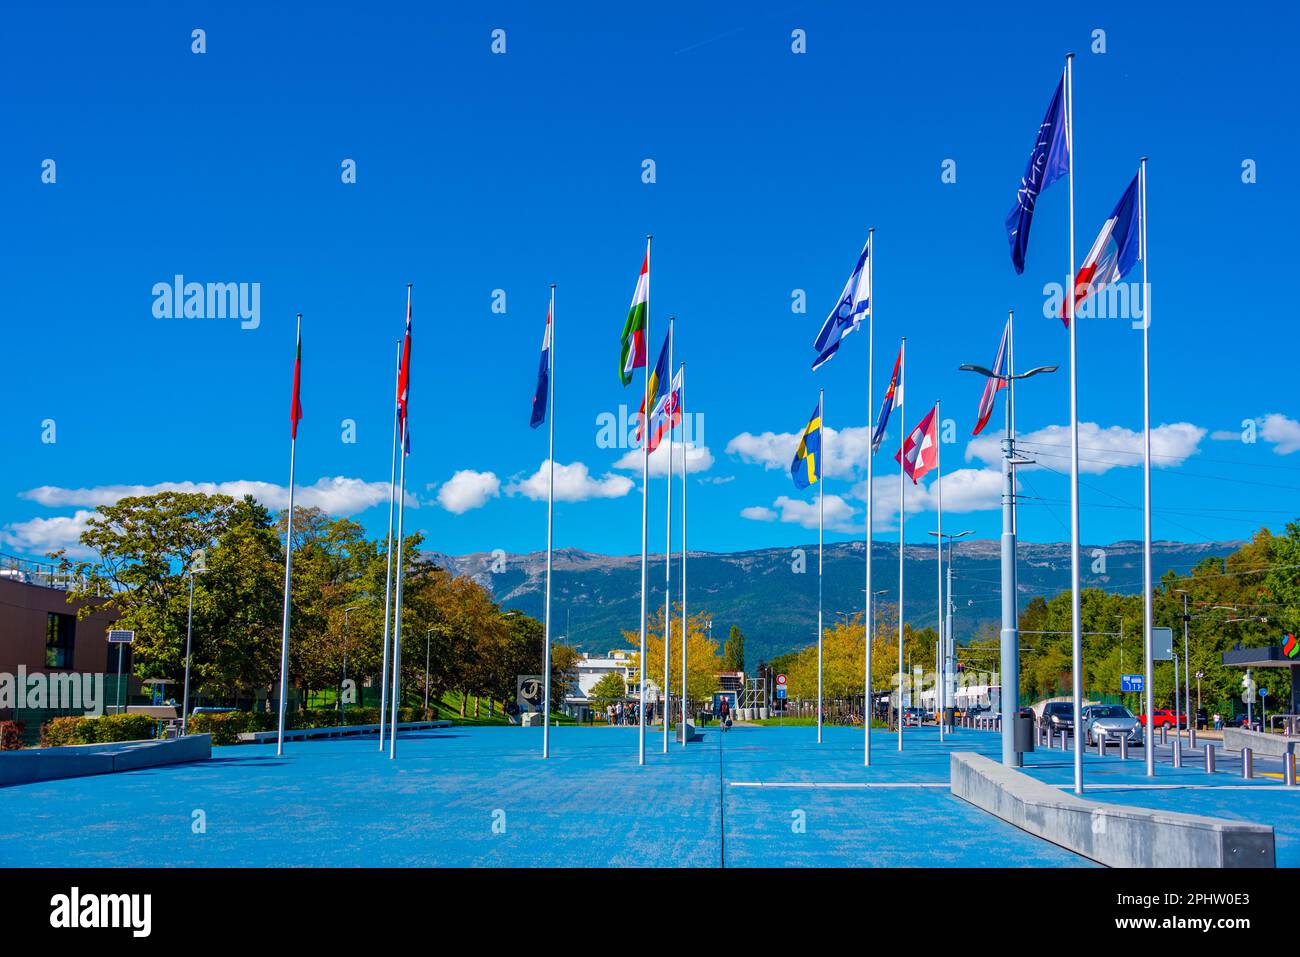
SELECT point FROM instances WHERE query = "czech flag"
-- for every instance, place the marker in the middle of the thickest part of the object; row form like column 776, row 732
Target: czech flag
column 1116, row 251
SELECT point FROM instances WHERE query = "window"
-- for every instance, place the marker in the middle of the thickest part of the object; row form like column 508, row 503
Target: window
column 60, row 631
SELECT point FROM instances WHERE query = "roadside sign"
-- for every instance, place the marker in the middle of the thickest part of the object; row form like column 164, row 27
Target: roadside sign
column 780, row 692
column 1162, row 644
column 121, row 636
column 780, row 681
column 1132, row 682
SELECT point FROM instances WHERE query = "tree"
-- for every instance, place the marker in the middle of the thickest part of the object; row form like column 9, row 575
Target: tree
column 609, row 689
column 702, row 660
column 733, row 652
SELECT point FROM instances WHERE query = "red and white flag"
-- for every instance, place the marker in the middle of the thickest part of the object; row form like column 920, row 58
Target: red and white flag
column 920, row 452
column 404, row 378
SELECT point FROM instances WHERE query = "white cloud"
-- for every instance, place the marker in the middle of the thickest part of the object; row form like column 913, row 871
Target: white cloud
column 1282, row 431
column 573, row 483
column 964, row 490
column 717, row 479
column 1100, row 450
column 698, row 459
column 468, row 490
column 38, row 536
column 337, row 496
column 797, row 511
column 845, row 449
column 758, row 513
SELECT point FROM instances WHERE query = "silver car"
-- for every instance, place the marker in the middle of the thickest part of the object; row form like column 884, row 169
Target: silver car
column 1113, row 722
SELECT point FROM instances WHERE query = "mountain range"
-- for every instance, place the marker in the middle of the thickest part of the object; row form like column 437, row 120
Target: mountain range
column 771, row 593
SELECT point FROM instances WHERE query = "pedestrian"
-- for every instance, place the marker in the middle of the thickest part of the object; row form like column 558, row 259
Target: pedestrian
column 1218, row 721
column 724, row 713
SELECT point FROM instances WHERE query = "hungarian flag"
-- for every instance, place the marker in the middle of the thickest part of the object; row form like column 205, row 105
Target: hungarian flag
column 1116, row 251
column 404, row 378
column 993, row 386
column 543, row 377
column 295, row 408
column 1291, row 647
column 920, row 451
column 633, row 352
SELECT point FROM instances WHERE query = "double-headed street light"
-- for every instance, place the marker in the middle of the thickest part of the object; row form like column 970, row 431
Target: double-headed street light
column 198, row 565
column 949, row 645
column 1010, row 638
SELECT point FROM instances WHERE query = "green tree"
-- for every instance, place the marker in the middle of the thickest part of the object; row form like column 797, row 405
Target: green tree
column 733, row 650
column 609, row 689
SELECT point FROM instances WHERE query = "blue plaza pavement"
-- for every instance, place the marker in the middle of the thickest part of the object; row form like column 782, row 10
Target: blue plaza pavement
column 752, row 797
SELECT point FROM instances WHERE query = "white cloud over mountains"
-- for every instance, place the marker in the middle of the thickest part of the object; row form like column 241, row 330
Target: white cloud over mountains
column 1100, row 450
column 338, row 495
column 573, row 483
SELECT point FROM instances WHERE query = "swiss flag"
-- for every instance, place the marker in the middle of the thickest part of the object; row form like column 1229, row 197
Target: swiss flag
column 920, row 451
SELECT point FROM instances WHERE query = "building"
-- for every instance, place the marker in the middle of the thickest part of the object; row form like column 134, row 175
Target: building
column 40, row 634
column 589, row 669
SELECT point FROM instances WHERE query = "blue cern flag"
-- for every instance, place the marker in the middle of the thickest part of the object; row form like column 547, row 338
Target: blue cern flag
column 847, row 315
column 1048, row 161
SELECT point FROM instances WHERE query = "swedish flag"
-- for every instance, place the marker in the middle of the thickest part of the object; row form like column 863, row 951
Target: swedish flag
column 807, row 465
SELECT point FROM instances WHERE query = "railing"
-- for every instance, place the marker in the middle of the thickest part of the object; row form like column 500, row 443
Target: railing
column 45, row 574
column 1292, row 723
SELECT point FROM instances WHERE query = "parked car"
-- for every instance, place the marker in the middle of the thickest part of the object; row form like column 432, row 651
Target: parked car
column 1058, row 716
column 913, row 717
column 1163, row 718
column 1112, row 722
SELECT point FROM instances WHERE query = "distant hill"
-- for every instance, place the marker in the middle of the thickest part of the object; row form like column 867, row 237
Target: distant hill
column 598, row 596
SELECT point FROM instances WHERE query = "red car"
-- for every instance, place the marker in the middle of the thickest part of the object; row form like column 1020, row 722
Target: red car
column 1163, row 718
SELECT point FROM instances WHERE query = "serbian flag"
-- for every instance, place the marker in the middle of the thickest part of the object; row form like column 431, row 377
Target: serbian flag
column 920, row 451
column 1116, row 251
column 893, row 400
column 993, row 386
column 1049, row 160
column 404, row 378
column 295, row 407
column 632, row 355
column 667, row 412
column 543, row 377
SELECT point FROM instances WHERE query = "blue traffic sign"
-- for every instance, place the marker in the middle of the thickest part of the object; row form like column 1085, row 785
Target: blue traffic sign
column 780, row 691
column 1131, row 682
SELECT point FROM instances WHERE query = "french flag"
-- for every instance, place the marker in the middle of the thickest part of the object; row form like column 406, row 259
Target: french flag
column 1117, row 250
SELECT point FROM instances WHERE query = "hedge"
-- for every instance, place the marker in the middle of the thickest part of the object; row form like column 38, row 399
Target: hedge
column 226, row 726
column 11, row 735
column 110, row 727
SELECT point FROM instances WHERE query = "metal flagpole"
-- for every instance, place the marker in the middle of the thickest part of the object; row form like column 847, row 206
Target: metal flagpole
column 388, row 574
column 1148, row 611
column 395, row 695
column 938, row 485
column 902, row 487
column 288, row 568
column 1076, row 623
column 668, row 540
column 645, row 505
column 397, row 601
column 821, row 517
column 550, row 514
column 682, row 400
column 1010, row 635
column 866, row 618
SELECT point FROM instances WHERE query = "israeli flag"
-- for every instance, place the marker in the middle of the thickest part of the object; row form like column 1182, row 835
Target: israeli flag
column 847, row 315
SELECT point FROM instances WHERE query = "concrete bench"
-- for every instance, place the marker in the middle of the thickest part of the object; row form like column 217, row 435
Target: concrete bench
column 79, row 760
column 337, row 731
column 1274, row 745
column 1111, row 834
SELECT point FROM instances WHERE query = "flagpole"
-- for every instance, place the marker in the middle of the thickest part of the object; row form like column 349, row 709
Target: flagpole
column 395, row 703
column 1076, row 624
column 1148, row 612
column 682, row 400
column 550, row 514
column 388, row 573
column 821, row 516
column 397, row 615
column 871, row 384
column 645, row 505
column 1009, row 635
column 288, row 564
column 902, row 488
column 943, row 645
column 668, row 540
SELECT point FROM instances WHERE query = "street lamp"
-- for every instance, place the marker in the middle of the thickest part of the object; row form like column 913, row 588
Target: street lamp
column 1010, row 637
column 343, row 705
column 198, row 565
column 949, row 643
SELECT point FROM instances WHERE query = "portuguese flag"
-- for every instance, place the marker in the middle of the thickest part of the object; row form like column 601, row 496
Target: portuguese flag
column 295, row 407
column 633, row 354
column 1291, row 647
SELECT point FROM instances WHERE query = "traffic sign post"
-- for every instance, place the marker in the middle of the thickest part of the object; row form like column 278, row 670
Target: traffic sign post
column 1132, row 683
column 120, row 637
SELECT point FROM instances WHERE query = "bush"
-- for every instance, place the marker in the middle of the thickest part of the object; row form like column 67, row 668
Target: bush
column 226, row 726
column 60, row 732
column 11, row 735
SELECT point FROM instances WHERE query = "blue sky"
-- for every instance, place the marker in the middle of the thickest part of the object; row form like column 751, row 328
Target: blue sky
column 478, row 171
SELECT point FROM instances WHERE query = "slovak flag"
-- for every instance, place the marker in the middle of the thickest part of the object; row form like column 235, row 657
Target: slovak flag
column 920, row 451
column 667, row 412
column 1117, row 249
column 846, row 317
column 993, row 386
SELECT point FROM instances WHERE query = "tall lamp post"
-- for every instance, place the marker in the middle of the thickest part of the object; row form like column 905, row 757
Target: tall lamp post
column 949, row 643
column 198, row 565
column 1010, row 643
column 343, row 688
